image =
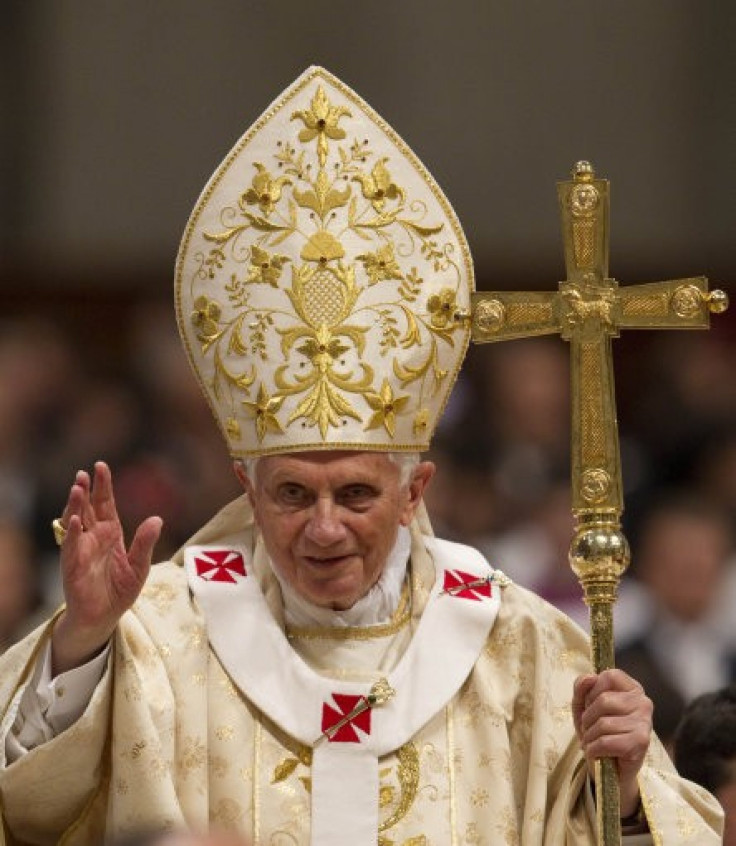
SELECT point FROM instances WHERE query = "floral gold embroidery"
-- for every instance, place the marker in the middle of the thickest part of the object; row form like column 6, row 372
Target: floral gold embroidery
column 227, row 813
column 265, row 191
column 480, row 797
column 193, row 755
column 442, row 307
column 321, row 122
column 385, row 407
column 381, row 265
column 205, row 317
column 282, row 279
column 265, row 267
column 264, row 411
column 378, row 186
column 224, row 732
column 161, row 595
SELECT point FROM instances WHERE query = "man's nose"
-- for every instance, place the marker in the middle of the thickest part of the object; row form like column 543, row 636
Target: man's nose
column 325, row 526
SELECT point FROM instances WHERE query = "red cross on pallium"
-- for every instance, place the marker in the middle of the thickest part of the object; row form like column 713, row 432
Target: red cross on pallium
column 331, row 716
column 455, row 579
column 220, row 565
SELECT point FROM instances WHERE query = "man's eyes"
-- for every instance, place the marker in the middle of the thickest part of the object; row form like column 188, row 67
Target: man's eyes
column 356, row 494
column 351, row 496
column 292, row 494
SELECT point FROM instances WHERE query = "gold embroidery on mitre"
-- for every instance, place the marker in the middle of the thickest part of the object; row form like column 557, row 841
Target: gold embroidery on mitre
column 321, row 282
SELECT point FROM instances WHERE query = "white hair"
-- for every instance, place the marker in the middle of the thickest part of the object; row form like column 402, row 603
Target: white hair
column 405, row 461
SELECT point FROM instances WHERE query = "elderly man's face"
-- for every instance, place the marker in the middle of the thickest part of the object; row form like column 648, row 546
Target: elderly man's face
column 330, row 519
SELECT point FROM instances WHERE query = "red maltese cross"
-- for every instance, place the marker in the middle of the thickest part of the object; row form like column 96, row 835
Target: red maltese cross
column 466, row 585
column 220, row 565
column 339, row 724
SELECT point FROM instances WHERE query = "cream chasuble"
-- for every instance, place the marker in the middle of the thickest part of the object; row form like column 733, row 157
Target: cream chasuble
column 461, row 754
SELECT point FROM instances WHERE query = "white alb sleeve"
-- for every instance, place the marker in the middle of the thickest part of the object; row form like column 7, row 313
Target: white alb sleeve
column 46, row 707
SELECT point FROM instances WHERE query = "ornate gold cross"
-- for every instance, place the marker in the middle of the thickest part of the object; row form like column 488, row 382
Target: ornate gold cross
column 588, row 310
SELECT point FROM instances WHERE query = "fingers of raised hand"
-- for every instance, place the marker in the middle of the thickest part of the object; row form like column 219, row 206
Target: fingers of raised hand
column 141, row 547
column 102, row 498
column 78, row 493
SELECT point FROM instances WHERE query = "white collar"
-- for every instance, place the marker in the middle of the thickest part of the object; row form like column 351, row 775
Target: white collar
column 376, row 607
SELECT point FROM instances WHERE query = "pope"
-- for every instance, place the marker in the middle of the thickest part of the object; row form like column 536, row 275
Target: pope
column 314, row 665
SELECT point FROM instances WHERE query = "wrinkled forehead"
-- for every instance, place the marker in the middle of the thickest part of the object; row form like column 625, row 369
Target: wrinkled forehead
column 336, row 466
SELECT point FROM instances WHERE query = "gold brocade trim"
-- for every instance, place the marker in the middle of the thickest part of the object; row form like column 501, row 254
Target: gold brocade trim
column 653, row 830
column 451, row 773
column 408, row 776
column 258, row 741
column 397, row 622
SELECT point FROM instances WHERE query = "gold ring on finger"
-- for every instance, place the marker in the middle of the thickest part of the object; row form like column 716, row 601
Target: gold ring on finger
column 59, row 531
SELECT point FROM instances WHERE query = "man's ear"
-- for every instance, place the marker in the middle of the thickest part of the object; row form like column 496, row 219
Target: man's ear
column 245, row 481
column 421, row 477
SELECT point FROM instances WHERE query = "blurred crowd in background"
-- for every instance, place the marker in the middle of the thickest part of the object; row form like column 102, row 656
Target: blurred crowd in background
column 73, row 391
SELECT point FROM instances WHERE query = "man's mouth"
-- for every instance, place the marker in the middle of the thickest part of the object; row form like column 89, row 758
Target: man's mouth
column 326, row 561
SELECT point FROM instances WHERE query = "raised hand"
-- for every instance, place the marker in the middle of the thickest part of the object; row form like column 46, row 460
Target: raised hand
column 101, row 578
column 613, row 719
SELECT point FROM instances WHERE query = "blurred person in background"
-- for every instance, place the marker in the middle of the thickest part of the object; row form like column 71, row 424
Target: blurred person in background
column 682, row 556
column 528, row 423
column 21, row 599
column 705, row 750
column 37, row 375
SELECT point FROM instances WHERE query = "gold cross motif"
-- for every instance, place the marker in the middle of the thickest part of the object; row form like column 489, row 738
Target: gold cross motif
column 588, row 310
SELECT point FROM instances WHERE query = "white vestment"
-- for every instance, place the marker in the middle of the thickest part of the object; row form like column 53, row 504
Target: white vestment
column 210, row 714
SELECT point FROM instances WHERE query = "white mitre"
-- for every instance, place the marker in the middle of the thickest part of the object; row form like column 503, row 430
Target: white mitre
column 323, row 282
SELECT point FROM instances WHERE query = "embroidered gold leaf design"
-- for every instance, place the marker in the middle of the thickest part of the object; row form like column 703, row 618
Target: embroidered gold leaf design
column 411, row 337
column 378, row 185
column 321, row 122
column 381, row 265
column 407, row 773
column 263, row 225
column 422, row 231
column 283, row 770
column 288, row 160
column 385, row 795
column 243, row 381
column 411, row 285
column 307, row 782
column 322, row 247
column 323, row 198
column 389, row 330
column 324, row 407
column 265, row 191
column 263, row 411
column 265, row 267
column 385, row 407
